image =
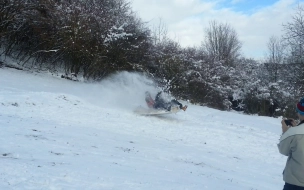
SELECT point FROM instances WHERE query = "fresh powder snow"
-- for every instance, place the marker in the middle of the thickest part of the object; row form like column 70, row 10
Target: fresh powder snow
column 58, row 134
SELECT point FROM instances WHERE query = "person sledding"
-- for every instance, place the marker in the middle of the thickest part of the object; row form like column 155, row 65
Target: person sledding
column 160, row 103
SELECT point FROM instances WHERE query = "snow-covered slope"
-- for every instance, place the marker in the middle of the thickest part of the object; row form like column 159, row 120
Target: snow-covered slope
column 60, row 134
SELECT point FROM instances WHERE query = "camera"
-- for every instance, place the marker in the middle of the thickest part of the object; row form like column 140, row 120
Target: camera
column 288, row 122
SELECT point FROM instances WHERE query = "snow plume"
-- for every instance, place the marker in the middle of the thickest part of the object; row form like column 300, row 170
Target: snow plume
column 123, row 90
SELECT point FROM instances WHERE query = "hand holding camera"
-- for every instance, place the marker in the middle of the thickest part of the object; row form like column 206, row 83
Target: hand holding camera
column 286, row 123
column 289, row 122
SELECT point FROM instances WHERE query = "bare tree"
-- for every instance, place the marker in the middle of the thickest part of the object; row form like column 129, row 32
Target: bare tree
column 275, row 57
column 222, row 43
column 294, row 31
column 294, row 37
column 159, row 32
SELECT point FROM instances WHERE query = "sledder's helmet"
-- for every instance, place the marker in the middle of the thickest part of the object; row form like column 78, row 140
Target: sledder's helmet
column 147, row 93
column 300, row 107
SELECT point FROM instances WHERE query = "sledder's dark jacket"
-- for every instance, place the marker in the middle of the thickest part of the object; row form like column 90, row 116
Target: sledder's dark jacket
column 292, row 145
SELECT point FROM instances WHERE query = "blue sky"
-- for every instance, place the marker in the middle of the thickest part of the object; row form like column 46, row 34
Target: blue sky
column 246, row 6
column 255, row 21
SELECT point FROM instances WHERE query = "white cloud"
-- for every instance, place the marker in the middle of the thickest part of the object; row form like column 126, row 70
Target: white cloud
column 187, row 20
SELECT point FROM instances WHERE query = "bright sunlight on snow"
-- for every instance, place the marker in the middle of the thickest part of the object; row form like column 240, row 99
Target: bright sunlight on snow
column 58, row 134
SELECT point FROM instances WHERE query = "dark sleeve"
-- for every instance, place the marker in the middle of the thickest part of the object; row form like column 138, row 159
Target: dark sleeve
column 158, row 96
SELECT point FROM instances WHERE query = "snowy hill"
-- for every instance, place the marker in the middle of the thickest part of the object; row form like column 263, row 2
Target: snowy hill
column 66, row 135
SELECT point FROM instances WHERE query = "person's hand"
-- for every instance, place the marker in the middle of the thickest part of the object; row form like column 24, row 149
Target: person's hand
column 293, row 122
column 284, row 126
